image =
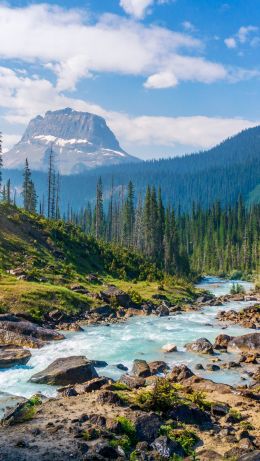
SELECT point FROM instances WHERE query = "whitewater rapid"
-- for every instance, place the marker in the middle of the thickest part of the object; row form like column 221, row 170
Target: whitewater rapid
column 138, row 337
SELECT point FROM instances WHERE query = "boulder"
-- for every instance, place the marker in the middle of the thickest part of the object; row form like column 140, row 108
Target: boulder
column 190, row 414
column 180, row 373
column 245, row 343
column 169, row 348
column 109, row 397
column 253, row 456
column 221, row 342
column 212, row 367
column 141, row 368
column 147, row 427
column 134, row 382
column 92, row 385
column 166, row 448
column 16, row 339
column 121, row 366
column 99, row 363
column 114, row 293
column 158, row 366
column 13, row 355
column 64, row 371
column 163, row 310
column 200, row 346
column 220, row 409
column 30, row 329
column 209, row 455
column 101, row 450
column 103, row 311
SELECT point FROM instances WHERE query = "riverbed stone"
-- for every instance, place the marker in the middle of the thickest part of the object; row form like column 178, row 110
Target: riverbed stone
column 169, row 348
column 141, row 368
column 221, row 342
column 158, row 366
column 200, row 346
column 30, row 329
column 64, row 371
column 13, row 355
column 180, row 373
column 245, row 343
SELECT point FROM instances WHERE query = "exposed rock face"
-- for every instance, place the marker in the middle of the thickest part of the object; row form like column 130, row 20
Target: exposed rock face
column 245, row 343
column 134, row 382
column 13, row 355
column 113, row 293
column 200, row 346
column 64, row 371
column 79, row 140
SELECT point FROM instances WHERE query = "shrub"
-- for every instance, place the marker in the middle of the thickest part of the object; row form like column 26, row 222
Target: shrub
column 235, row 414
column 236, row 289
column 128, row 428
column 199, row 398
column 123, row 442
column 163, row 396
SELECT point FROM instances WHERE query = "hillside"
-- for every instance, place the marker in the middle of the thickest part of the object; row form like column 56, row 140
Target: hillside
column 41, row 261
column 222, row 173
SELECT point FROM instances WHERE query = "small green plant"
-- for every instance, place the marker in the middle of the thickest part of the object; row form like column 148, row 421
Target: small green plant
column 246, row 425
column 162, row 397
column 187, row 439
column 237, row 289
column 135, row 296
column 199, row 398
column 118, row 386
column 235, row 414
column 128, row 428
column 123, row 442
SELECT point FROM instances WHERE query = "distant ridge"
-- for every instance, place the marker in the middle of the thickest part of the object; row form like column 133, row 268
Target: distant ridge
column 80, row 141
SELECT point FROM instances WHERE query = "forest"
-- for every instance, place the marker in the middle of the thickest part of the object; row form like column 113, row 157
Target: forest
column 220, row 239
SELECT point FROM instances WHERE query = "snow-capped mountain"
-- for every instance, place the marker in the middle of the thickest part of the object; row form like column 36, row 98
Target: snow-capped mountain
column 80, row 141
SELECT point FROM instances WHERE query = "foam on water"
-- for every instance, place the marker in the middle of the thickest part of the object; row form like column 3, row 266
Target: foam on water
column 139, row 337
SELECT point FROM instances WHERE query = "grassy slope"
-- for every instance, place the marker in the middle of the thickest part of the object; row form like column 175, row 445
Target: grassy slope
column 54, row 255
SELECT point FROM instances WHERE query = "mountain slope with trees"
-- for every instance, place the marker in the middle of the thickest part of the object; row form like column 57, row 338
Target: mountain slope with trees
column 220, row 174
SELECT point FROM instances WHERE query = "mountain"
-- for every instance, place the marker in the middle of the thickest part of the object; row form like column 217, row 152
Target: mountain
column 221, row 173
column 80, row 141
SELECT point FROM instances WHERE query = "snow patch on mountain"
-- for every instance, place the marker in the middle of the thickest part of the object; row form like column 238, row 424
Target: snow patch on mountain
column 79, row 141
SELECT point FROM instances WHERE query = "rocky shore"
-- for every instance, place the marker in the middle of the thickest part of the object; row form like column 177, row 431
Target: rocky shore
column 140, row 417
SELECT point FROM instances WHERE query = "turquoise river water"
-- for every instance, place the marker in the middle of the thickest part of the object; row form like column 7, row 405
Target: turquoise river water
column 139, row 337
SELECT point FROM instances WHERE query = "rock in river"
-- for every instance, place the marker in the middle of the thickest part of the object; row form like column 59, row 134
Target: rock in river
column 13, row 355
column 201, row 346
column 245, row 343
column 64, row 371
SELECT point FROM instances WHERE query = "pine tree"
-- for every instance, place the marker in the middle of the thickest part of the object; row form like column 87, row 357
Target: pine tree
column 1, row 160
column 99, row 211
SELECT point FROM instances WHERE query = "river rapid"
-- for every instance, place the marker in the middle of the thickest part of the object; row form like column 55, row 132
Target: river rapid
column 138, row 337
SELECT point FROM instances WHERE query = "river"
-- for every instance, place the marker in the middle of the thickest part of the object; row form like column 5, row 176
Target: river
column 139, row 337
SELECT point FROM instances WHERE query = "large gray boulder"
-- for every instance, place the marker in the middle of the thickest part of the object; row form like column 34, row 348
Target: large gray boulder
column 64, row 371
column 200, row 346
column 245, row 343
column 13, row 355
column 16, row 339
column 30, row 329
column 113, row 293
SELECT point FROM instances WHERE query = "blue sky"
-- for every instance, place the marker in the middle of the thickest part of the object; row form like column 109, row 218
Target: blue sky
column 169, row 76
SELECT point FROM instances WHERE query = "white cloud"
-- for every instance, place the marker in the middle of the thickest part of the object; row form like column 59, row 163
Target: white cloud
column 188, row 26
column 230, row 42
column 24, row 98
column 243, row 36
column 244, row 32
column 139, row 8
column 136, row 8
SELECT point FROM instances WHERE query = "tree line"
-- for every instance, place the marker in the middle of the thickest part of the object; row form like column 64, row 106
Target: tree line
column 215, row 240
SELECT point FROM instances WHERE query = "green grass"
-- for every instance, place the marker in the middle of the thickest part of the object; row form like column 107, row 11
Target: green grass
column 52, row 255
